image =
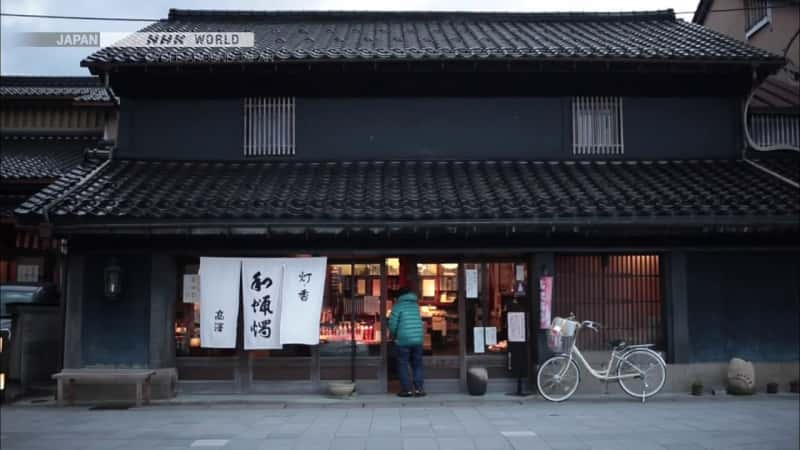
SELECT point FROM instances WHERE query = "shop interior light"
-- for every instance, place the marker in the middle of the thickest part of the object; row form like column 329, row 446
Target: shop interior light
column 2, row 381
column 450, row 266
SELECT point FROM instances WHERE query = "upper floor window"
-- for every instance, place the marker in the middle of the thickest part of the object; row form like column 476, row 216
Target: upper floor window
column 269, row 126
column 597, row 126
column 756, row 14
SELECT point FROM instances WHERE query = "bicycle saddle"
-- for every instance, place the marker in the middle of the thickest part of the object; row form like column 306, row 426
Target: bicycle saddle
column 618, row 343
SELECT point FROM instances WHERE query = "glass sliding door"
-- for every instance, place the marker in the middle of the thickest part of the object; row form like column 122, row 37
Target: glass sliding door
column 350, row 324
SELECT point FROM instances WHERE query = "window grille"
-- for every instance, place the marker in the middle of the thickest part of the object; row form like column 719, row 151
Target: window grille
column 269, row 126
column 756, row 14
column 597, row 126
column 775, row 129
column 623, row 292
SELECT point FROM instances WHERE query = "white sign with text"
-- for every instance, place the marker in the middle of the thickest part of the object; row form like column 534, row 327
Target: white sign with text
column 261, row 293
column 219, row 311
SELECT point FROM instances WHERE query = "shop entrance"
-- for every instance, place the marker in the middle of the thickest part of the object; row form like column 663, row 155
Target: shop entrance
column 438, row 290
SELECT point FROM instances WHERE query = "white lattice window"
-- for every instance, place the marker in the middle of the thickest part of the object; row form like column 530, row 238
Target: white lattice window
column 775, row 129
column 757, row 15
column 269, row 126
column 597, row 126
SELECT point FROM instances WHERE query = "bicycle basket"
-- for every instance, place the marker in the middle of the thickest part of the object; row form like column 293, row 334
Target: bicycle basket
column 562, row 335
column 560, row 344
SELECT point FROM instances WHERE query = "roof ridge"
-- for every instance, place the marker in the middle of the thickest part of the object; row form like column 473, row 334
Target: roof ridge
column 663, row 14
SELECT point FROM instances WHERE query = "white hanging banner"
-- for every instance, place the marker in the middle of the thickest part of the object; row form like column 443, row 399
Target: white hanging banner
column 301, row 302
column 219, row 302
column 261, row 294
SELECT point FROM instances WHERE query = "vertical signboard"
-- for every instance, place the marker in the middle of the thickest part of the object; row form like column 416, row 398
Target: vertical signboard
column 302, row 293
column 261, row 293
column 545, row 301
column 219, row 311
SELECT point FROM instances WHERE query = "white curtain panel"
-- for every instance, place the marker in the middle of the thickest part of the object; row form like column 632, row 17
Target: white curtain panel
column 219, row 301
column 261, row 293
column 303, row 290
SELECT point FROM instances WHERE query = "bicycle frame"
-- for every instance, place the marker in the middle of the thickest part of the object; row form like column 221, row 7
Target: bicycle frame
column 603, row 375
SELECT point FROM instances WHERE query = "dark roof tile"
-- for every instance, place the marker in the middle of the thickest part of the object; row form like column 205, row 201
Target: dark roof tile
column 41, row 162
column 380, row 192
column 80, row 89
column 316, row 36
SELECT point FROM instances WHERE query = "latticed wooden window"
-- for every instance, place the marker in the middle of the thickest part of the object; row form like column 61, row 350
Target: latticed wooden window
column 775, row 129
column 756, row 15
column 269, row 126
column 623, row 292
column 597, row 126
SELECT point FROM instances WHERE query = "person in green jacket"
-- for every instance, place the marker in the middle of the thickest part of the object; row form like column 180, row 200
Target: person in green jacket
column 406, row 327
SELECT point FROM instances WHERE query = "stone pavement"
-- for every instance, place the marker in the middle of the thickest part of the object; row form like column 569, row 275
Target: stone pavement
column 677, row 422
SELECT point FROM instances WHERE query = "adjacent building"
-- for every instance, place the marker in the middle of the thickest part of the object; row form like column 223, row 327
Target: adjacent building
column 774, row 110
column 602, row 149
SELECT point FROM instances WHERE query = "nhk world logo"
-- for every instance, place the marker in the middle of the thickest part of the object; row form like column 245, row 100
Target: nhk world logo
column 145, row 39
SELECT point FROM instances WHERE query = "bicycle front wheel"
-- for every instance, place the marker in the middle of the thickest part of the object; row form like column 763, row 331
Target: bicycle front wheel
column 558, row 378
column 642, row 373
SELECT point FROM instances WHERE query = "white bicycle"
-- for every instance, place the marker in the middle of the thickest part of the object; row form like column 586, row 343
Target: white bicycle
column 639, row 370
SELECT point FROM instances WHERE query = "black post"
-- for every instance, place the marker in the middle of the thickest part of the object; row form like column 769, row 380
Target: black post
column 353, row 340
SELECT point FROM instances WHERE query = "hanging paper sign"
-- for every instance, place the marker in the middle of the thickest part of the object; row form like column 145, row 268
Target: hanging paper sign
column 219, row 312
column 545, row 301
column 191, row 288
column 516, row 327
column 479, row 344
column 261, row 294
column 471, row 276
column 520, row 272
column 301, row 300
column 491, row 335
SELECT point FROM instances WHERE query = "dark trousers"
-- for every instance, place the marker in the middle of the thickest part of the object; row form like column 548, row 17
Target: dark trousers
column 405, row 355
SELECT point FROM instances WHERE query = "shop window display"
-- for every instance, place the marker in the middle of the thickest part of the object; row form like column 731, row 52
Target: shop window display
column 351, row 310
column 497, row 284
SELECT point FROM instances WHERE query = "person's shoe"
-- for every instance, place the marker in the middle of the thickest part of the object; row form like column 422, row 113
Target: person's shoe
column 419, row 393
column 405, row 394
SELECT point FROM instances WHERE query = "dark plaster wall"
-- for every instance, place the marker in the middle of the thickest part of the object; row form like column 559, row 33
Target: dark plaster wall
column 744, row 305
column 349, row 128
column 116, row 332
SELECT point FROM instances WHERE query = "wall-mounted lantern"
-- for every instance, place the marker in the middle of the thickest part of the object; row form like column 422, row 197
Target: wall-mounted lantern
column 112, row 277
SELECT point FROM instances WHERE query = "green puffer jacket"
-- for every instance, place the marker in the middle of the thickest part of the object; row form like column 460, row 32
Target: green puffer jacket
column 405, row 323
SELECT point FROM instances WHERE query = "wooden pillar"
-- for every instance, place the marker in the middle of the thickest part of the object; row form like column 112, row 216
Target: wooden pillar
column 462, row 326
column 383, row 367
column 677, row 308
column 163, row 289
column 540, row 264
column 73, row 314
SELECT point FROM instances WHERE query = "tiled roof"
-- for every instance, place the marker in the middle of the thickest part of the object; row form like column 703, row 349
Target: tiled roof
column 412, row 191
column 369, row 36
column 776, row 94
column 784, row 163
column 50, row 160
column 9, row 202
column 80, row 89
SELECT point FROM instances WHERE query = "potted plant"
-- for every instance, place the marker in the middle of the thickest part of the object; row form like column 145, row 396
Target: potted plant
column 794, row 386
column 772, row 387
column 697, row 387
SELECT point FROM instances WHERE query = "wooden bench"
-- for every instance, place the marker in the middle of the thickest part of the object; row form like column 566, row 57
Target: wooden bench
column 70, row 377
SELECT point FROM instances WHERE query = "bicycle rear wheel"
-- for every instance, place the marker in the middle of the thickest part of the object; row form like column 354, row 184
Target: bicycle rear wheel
column 649, row 370
column 558, row 378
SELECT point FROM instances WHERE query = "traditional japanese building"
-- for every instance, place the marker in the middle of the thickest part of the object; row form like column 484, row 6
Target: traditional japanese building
column 604, row 150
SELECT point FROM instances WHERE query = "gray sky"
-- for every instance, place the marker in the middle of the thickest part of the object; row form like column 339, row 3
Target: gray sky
column 16, row 60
